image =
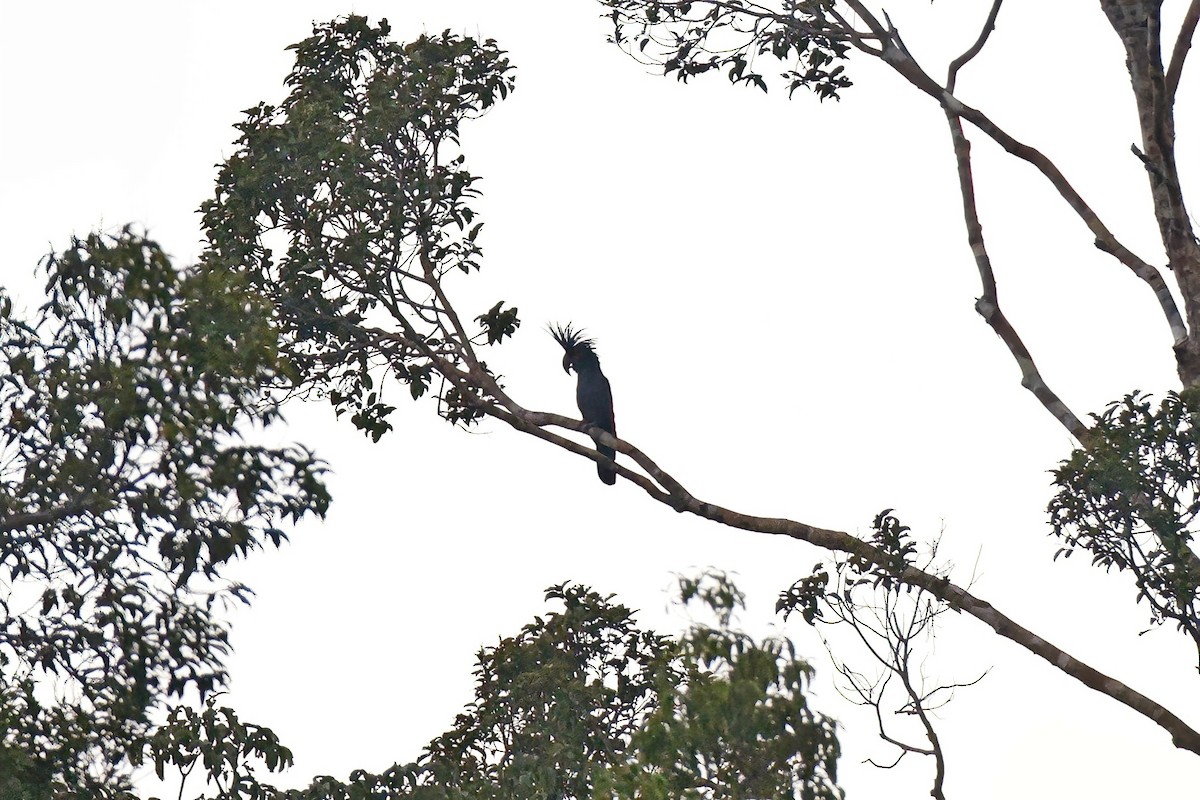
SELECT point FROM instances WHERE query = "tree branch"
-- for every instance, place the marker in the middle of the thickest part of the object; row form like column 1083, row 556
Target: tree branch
column 678, row 498
column 15, row 522
column 1183, row 43
column 974, row 49
column 1105, row 240
column 524, row 422
column 903, row 64
column 988, row 305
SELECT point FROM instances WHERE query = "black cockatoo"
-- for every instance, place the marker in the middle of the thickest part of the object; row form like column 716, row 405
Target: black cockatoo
column 592, row 391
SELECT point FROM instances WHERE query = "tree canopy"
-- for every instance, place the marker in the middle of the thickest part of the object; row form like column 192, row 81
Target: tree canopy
column 336, row 243
column 370, row 210
column 127, row 487
column 583, row 703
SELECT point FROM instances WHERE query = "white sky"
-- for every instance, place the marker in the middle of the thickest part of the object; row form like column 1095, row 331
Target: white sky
column 783, row 299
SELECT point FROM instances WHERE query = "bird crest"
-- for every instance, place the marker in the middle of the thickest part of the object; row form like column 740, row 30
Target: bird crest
column 577, row 347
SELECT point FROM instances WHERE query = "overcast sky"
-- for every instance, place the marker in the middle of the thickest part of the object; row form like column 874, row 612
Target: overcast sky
column 782, row 296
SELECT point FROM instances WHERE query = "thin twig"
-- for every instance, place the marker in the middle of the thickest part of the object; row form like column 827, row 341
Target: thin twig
column 974, row 50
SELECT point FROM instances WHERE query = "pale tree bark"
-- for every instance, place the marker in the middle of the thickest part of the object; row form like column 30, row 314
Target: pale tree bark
column 883, row 41
column 988, row 304
column 1139, row 26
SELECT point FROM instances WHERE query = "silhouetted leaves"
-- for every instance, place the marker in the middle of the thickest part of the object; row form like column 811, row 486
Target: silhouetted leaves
column 346, row 206
column 499, row 322
column 581, row 703
column 1131, row 500
column 694, row 38
column 126, row 488
column 224, row 748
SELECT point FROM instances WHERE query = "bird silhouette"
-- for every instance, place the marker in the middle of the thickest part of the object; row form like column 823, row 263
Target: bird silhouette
column 592, row 392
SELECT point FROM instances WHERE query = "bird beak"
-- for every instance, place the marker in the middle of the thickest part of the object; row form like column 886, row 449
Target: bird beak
column 567, row 364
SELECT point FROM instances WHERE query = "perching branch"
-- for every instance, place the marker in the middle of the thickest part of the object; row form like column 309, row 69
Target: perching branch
column 667, row 490
column 325, row 288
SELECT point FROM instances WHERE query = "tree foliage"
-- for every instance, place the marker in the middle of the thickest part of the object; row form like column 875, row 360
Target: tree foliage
column 333, row 236
column 214, row 740
column 347, row 207
column 582, row 703
column 127, row 486
column 1131, row 500
column 687, row 39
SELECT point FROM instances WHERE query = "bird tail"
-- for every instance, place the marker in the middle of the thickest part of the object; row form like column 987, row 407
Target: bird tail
column 607, row 473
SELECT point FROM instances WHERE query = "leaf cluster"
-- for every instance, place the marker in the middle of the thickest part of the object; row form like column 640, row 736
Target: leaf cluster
column 125, row 488
column 694, row 37
column 348, row 203
column 738, row 724
column 1131, row 498
column 584, row 704
column 217, row 741
column 810, row 595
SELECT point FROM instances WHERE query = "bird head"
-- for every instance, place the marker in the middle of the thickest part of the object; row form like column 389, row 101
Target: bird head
column 575, row 346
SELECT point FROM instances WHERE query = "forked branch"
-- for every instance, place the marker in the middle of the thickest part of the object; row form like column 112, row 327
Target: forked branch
column 902, row 62
column 988, row 305
column 889, row 621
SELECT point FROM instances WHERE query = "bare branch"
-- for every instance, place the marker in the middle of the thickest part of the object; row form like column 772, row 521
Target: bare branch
column 904, row 747
column 1183, row 43
column 988, row 304
column 907, row 67
column 973, row 50
column 1105, row 240
column 901, row 618
column 948, row 687
column 861, row 40
column 877, row 28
